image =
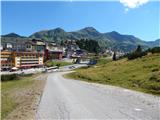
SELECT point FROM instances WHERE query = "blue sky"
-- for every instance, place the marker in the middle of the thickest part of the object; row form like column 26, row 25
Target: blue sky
column 25, row 18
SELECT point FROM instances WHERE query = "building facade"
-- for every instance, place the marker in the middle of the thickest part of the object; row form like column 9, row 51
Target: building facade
column 15, row 44
column 35, row 45
column 53, row 54
column 53, row 51
column 27, row 59
column 27, row 52
column 21, row 59
column 6, row 60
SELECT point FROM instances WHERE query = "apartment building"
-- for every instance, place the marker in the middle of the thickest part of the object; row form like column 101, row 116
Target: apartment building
column 53, row 54
column 6, row 60
column 35, row 45
column 28, row 59
column 21, row 59
column 53, row 51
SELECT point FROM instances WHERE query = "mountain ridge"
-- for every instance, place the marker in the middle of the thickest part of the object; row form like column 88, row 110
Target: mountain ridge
column 112, row 39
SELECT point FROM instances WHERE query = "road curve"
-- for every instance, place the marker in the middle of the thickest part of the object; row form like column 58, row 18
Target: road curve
column 72, row 99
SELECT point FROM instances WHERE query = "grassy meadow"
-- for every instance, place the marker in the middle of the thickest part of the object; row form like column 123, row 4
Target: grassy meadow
column 142, row 74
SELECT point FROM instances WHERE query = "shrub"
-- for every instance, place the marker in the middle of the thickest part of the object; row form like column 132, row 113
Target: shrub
column 155, row 69
column 26, row 75
column 139, row 53
column 136, row 54
column 154, row 78
column 136, row 82
column 58, row 65
column 9, row 77
column 154, row 50
column 152, row 87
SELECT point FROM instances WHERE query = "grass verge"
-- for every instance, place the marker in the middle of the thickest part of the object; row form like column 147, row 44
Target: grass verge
column 142, row 74
column 19, row 97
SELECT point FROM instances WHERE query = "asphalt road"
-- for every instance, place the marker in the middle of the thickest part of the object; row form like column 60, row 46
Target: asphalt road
column 72, row 99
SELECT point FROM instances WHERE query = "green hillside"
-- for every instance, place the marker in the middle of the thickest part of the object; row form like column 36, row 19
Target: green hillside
column 56, row 35
column 142, row 74
column 114, row 40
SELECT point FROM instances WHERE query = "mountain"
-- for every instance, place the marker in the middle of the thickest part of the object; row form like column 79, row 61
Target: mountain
column 113, row 40
column 13, row 38
column 56, row 35
column 154, row 43
column 88, row 32
column 125, row 42
column 13, row 35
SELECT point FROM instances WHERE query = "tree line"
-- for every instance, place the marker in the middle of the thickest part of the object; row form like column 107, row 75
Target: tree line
column 89, row 45
column 138, row 53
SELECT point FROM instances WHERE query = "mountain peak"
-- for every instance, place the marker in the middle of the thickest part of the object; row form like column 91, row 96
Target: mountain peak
column 11, row 35
column 115, row 32
column 89, row 29
column 58, row 29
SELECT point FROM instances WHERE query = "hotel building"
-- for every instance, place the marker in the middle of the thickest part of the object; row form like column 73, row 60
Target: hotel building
column 6, row 60
column 27, row 59
column 21, row 59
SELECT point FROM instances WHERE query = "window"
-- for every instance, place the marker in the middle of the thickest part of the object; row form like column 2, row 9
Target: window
column 28, row 46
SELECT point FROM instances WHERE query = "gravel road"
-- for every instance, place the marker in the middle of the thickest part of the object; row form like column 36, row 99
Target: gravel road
column 72, row 99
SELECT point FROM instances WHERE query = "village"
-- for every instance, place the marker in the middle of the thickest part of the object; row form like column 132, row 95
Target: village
column 80, row 60
column 34, row 53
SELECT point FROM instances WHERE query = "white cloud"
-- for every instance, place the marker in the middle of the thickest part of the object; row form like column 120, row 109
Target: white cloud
column 133, row 3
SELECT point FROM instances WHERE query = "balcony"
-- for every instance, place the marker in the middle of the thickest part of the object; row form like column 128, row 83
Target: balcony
column 22, row 62
column 29, row 58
